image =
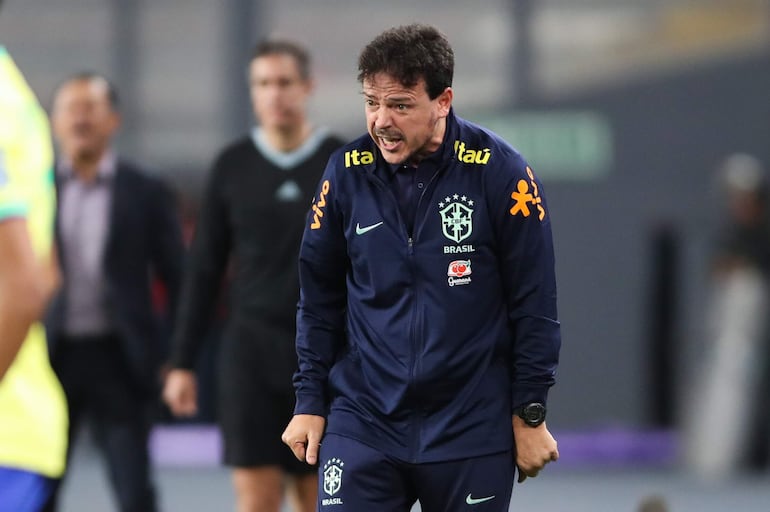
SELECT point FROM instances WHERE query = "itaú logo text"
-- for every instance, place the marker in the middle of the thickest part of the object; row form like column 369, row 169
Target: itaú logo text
column 471, row 156
column 356, row 157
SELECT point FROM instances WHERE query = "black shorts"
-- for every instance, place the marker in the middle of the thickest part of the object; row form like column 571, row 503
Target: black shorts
column 252, row 416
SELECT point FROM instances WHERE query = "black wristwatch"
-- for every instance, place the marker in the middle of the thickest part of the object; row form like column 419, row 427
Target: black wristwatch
column 533, row 413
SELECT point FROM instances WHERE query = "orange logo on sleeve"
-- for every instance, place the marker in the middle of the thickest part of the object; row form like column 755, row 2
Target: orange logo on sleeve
column 524, row 198
column 318, row 206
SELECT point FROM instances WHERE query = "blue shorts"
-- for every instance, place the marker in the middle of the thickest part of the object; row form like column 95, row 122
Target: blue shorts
column 23, row 491
column 355, row 477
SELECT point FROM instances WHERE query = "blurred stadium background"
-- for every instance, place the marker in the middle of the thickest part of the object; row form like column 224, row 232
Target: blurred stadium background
column 624, row 108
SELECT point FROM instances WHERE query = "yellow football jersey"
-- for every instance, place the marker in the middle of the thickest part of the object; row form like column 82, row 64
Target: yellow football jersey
column 33, row 411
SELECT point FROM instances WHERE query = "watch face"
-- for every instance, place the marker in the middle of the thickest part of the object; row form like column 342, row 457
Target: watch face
column 533, row 414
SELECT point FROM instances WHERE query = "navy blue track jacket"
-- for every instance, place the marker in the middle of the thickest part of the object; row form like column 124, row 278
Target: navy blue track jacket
column 421, row 346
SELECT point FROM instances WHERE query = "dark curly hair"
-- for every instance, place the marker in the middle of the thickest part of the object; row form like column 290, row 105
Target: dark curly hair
column 408, row 53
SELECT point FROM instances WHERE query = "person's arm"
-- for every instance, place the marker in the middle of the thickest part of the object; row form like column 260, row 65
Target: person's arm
column 167, row 246
column 166, row 259
column 323, row 264
column 201, row 284
column 26, row 285
column 529, row 283
column 527, row 267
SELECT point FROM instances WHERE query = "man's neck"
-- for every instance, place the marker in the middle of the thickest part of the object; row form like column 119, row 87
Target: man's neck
column 86, row 168
column 289, row 139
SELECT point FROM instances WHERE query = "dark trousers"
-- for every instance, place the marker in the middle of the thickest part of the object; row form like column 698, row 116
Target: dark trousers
column 354, row 477
column 99, row 388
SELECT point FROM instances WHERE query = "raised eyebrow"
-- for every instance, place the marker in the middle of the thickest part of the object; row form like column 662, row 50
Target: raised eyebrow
column 398, row 100
column 395, row 100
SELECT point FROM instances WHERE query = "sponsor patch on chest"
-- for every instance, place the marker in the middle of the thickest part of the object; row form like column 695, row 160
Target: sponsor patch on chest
column 458, row 272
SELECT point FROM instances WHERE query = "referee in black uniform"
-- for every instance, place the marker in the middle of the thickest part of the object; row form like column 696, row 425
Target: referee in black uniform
column 252, row 218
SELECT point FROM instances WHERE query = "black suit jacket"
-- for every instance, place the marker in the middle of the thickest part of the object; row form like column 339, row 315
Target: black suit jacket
column 144, row 241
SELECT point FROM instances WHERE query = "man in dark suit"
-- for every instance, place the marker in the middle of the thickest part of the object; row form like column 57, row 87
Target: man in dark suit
column 117, row 233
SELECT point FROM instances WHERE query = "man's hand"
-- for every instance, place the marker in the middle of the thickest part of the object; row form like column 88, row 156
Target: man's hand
column 181, row 392
column 303, row 436
column 535, row 447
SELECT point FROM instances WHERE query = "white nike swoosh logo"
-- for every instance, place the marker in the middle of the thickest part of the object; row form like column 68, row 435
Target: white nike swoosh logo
column 470, row 500
column 361, row 231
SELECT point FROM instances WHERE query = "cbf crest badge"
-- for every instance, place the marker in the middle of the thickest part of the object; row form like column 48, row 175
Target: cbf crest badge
column 456, row 217
column 333, row 476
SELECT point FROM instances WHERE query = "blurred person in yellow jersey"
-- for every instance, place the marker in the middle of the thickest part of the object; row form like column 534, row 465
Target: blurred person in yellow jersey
column 33, row 413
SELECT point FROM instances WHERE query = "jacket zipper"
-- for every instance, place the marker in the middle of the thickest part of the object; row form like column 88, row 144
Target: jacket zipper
column 417, row 413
